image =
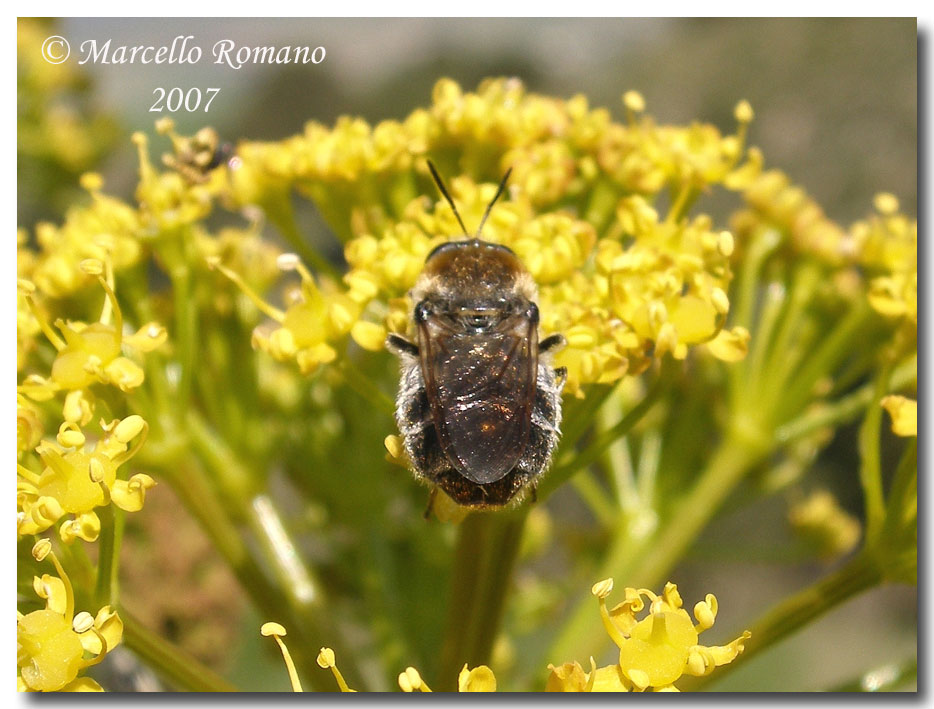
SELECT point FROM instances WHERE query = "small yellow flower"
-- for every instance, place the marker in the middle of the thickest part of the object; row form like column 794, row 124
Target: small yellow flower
column 655, row 650
column 569, row 677
column 278, row 632
column 92, row 353
column 820, row 520
column 52, row 643
column 309, row 325
column 106, row 230
column 28, row 425
column 76, row 478
column 326, row 660
column 904, row 413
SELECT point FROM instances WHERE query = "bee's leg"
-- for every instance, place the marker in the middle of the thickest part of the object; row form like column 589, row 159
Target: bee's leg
column 398, row 345
column 533, row 493
column 553, row 343
column 431, row 502
column 561, row 376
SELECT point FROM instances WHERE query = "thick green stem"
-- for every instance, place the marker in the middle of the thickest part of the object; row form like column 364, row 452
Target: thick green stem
column 182, row 671
column 790, row 398
column 870, row 469
column 843, row 410
column 233, row 478
column 186, row 335
column 859, row 574
column 486, row 552
column 602, row 442
column 105, row 593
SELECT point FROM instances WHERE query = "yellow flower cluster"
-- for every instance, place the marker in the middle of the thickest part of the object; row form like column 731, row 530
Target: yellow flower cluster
column 654, row 651
column 820, row 520
column 884, row 246
column 54, row 644
column 76, row 479
column 106, row 230
column 622, row 282
column 774, row 202
column 89, row 353
column 74, row 475
column 888, row 247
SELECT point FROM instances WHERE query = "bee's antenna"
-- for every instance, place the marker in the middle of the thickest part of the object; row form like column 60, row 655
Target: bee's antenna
column 437, row 178
column 502, row 186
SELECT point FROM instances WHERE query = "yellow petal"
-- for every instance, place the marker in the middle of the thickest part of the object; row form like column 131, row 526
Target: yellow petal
column 82, row 684
column 569, row 677
column 730, row 345
column 52, row 589
column 147, row 338
column 125, row 373
column 479, row 679
column 723, row 654
column 370, row 336
column 609, row 679
column 130, row 494
column 657, row 651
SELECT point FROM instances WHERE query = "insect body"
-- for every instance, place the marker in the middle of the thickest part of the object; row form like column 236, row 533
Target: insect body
column 479, row 405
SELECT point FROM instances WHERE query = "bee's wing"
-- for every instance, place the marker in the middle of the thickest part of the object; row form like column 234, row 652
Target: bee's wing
column 481, row 389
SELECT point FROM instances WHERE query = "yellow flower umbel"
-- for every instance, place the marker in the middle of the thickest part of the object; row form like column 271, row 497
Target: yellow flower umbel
column 654, row 651
column 55, row 644
column 76, row 479
column 311, row 323
column 887, row 244
column 621, row 282
column 105, row 230
column 90, row 353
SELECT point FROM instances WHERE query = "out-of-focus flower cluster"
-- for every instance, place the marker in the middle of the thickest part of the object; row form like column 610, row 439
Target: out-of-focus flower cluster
column 879, row 254
column 59, row 134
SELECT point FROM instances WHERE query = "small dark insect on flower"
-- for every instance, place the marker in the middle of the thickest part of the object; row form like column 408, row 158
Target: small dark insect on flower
column 195, row 157
column 479, row 404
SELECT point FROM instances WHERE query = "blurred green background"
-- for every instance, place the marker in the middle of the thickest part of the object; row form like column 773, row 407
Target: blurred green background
column 836, row 109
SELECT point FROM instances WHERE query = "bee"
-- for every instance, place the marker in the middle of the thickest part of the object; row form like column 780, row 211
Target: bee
column 479, row 404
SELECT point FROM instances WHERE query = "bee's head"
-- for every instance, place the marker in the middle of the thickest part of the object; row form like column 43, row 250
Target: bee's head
column 474, row 270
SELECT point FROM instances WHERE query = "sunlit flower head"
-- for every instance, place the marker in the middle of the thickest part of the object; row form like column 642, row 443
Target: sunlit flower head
column 77, row 477
column 55, row 644
column 654, row 650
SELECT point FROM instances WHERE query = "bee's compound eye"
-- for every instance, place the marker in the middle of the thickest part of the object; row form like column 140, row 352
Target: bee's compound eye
column 422, row 312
